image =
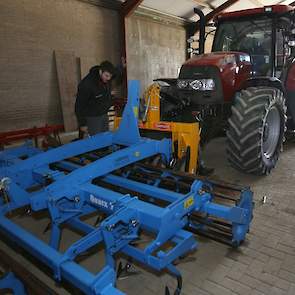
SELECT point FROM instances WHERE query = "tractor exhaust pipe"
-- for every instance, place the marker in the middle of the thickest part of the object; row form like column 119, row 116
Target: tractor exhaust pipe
column 201, row 29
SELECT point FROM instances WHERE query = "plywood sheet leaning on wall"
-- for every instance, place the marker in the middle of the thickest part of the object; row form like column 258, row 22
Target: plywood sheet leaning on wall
column 67, row 74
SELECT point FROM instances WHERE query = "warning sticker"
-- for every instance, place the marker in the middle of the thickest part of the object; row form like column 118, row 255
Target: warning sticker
column 162, row 126
column 188, row 202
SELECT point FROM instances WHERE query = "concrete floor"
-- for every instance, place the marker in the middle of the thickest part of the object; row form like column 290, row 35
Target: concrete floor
column 264, row 264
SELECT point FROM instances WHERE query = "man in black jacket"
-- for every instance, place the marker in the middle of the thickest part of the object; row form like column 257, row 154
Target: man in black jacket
column 94, row 98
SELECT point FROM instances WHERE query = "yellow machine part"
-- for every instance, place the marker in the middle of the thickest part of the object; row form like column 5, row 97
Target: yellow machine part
column 187, row 135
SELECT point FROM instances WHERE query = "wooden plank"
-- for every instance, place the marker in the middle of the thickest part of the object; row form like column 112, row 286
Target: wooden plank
column 67, row 74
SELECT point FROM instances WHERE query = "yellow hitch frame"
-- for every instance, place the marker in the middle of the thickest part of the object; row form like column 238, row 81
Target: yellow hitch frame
column 186, row 135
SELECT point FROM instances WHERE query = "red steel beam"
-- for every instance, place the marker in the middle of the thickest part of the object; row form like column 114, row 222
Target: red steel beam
column 123, row 53
column 216, row 11
column 127, row 8
column 11, row 136
column 219, row 9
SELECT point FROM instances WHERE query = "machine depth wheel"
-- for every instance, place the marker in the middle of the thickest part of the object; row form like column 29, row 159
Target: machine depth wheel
column 256, row 129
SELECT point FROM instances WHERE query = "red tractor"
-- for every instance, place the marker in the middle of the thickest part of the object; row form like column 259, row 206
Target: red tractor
column 245, row 86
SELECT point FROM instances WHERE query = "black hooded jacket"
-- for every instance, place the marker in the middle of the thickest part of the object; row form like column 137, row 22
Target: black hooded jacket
column 93, row 97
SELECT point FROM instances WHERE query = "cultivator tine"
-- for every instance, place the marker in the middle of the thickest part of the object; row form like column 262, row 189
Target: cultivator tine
column 178, row 288
column 99, row 220
column 185, row 259
column 47, row 228
column 124, row 272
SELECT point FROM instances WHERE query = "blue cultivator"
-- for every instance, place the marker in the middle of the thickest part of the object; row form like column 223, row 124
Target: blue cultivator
column 106, row 174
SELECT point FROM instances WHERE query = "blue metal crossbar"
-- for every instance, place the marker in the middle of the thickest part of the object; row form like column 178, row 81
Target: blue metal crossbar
column 11, row 282
column 48, row 180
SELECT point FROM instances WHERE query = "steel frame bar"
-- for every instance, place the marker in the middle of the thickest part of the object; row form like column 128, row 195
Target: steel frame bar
column 10, row 281
column 11, row 136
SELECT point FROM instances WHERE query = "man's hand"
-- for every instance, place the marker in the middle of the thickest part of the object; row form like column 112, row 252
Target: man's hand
column 83, row 132
column 84, row 129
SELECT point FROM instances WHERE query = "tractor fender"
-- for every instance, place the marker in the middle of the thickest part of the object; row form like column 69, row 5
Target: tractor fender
column 264, row 81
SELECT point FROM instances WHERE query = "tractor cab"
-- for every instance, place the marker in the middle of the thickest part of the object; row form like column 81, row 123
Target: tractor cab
column 264, row 33
column 250, row 36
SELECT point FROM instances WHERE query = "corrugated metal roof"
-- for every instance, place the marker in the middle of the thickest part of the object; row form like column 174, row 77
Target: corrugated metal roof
column 184, row 8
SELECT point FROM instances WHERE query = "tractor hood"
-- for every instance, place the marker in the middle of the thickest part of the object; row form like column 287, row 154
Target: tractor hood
column 222, row 60
column 228, row 69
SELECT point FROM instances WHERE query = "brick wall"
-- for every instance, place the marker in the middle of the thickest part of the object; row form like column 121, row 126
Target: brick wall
column 29, row 33
column 31, row 30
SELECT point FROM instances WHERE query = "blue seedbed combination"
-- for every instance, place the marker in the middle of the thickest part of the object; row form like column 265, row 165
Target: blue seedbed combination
column 73, row 181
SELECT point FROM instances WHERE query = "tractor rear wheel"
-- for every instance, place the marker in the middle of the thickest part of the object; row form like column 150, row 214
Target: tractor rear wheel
column 256, row 129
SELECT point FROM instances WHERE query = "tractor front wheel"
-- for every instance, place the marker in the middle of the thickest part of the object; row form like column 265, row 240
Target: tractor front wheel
column 256, row 129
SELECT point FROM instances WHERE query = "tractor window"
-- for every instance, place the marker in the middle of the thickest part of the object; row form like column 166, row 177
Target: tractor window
column 249, row 36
